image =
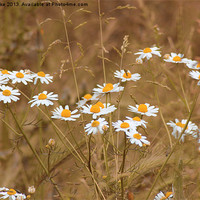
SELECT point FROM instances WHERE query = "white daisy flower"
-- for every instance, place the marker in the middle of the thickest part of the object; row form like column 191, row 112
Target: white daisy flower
column 44, row 78
column 137, row 138
column 8, row 93
column 127, row 76
column 193, row 64
column 86, row 98
column 12, row 195
column 95, row 126
column 178, row 127
column 98, row 109
column 195, row 75
column 107, row 88
column 4, row 73
column 65, row 114
column 161, row 196
column 144, row 109
column 44, row 99
column 123, row 126
column 148, row 52
column 176, row 58
column 3, row 80
column 136, row 121
column 20, row 76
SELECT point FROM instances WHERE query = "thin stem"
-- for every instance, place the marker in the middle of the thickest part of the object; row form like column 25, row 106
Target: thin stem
column 101, row 40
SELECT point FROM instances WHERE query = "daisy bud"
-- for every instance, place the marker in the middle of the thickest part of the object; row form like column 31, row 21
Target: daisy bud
column 28, row 196
column 105, row 128
column 104, row 177
column 20, row 197
column 139, row 61
column 31, row 190
column 166, row 56
column 51, row 142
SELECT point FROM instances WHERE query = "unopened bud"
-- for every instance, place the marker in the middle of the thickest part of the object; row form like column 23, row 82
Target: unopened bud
column 31, row 189
column 51, row 142
column 105, row 128
column 139, row 61
column 166, row 56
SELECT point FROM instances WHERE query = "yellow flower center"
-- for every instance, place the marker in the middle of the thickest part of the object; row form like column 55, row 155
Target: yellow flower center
column 42, row 96
column 137, row 136
column 127, row 75
column 6, row 93
column 124, row 125
column 87, row 96
column 198, row 65
column 11, row 192
column 95, row 109
column 168, row 194
column 176, row 58
column 41, row 73
column 4, row 71
column 95, row 123
column 19, row 75
column 199, row 76
column 100, row 104
column 108, row 87
column 136, row 119
column 66, row 113
column 180, row 125
column 142, row 108
column 147, row 50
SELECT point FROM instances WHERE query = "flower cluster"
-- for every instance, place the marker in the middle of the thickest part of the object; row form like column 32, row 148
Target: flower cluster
column 11, row 194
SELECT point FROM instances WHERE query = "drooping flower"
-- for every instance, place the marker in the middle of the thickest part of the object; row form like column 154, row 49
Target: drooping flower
column 108, row 88
column 144, row 109
column 44, row 78
column 148, row 52
column 20, row 76
column 195, row 75
column 44, row 99
column 161, row 196
column 8, row 94
column 176, row 58
column 95, row 126
column 127, row 76
column 65, row 114
column 193, row 64
column 178, row 128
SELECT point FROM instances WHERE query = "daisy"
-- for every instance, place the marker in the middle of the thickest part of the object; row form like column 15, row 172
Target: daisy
column 144, row 109
column 96, row 126
column 86, row 98
column 148, row 52
column 20, row 76
column 127, row 76
column 136, row 121
column 161, row 196
column 107, row 88
column 11, row 194
column 3, row 80
column 4, row 73
column 43, row 99
column 176, row 58
column 193, row 64
column 178, row 127
column 65, row 114
column 98, row 109
column 44, row 78
column 123, row 126
column 8, row 93
column 137, row 138
column 195, row 75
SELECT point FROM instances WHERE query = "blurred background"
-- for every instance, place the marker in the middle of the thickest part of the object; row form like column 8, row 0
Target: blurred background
column 34, row 38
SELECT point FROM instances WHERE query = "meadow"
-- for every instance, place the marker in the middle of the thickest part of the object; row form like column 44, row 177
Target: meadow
column 100, row 100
